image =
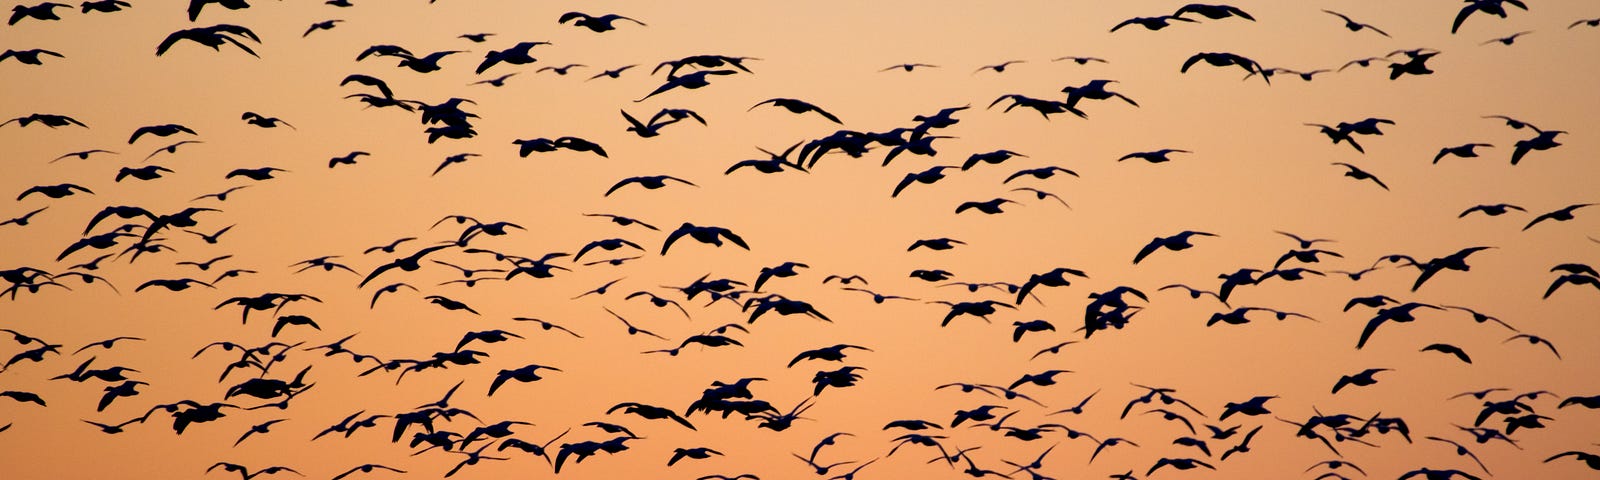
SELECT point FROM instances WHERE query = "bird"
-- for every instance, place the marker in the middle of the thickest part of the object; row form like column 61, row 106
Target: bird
column 1589, row 459
column 797, row 106
column 1362, row 379
column 1157, row 156
column 214, row 36
column 907, row 67
column 597, row 24
column 55, row 191
column 1489, row 7
column 1493, row 210
column 42, row 11
column 1535, row 340
column 1357, row 173
column 1544, row 141
column 698, row 453
column 1560, row 215
column 262, row 121
column 999, row 67
column 367, row 468
column 30, row 56
column 1450, row 350
column 1353, row 25
column 1223, row 59
column 690, row 81
column 613, row 73
column 1176, row 242
column 519, row 54
column 990, row 207
column 712, row 235
column 1508, row 39
column 1151, row 23
column 561, row 70
column 1214, row 12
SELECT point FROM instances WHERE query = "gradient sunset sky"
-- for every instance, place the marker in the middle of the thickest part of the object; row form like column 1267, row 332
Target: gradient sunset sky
column 1251, row 167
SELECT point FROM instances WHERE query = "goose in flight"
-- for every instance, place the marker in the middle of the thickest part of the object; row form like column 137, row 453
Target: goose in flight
column 214, row 36
column 712, row 235
column 600, row 24
column 519, row 54
column 797, row 107
column 1214, row 12
column 690, row 81
column 1353, row 25
column 1177, row 242
column 43, row 11
column 1490, row 7
column 1152, row 23
column 1357, row 173
column 1508, row 39
column 28, row 57
column 1560, row 215
column 1223, row 59
column 651, row 182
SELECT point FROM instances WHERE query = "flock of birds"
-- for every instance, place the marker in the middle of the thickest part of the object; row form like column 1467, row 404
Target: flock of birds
column 294, row 348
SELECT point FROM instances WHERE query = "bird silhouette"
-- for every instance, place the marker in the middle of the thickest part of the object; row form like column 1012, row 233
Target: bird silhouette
column 1560, row 215
column 214, row 36
column 1353, row 25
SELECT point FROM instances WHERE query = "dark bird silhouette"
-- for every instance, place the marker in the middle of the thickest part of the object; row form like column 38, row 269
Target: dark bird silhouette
column 689, row 81
column 650, row 412
column 600, row 24
column 1414, row 65
column 1223, row 59
column 1151, row 23
column 1214, row 12
column 519, row 54
column 1589, row 459
column 1490, row 7
column 991, row 207
column 797, row 107
column 48, row 120
column 1353, row 25
column 214, row 36
column 999, row 67
column 263, row 121
column 1357, row 173
column 28, row 57
column 1365, row 378
column 1535, row 340
column 1543, row 141
column 1574, row 279
column 561, row 70
column 926, row 177
column 708, row 234
column 1177, row 242
column 1398, row 314
column 1158, row 156
column 1561, row 215
column 367, row 468
column 55, row 191
column 613, row 73
column 1455, row 261
column 1506, row 40
column 1494, row 210
column 42, row 11
column 1463, row 151
column 1450, row 350
column 257, row 174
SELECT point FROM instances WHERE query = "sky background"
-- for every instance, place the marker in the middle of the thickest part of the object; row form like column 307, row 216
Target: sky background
column 1254, row 169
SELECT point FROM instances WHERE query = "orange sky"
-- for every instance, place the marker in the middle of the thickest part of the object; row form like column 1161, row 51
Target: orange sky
column 1253, row 168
